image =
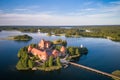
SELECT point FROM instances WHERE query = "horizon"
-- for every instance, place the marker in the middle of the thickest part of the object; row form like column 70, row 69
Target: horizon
column 59, row 12
column 59, row 26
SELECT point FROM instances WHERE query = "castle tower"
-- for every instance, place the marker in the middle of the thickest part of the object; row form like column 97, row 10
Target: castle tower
column 41, row 44
column 63, row 50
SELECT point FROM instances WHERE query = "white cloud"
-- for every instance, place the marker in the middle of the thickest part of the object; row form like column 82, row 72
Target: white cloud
column 21, row 9
column 47, row 19
column 86, row 16
column 115, row 2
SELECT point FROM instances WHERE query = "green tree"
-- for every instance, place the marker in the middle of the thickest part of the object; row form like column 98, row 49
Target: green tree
column 50, row 61
column 58, row 61
column 19, row 65
column 47, row 63
column 64, row 43
column 30, row 63
column 71, row 50
column 77, row 51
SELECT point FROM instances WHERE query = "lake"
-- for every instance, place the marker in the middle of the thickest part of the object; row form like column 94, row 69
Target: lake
column 103, row 55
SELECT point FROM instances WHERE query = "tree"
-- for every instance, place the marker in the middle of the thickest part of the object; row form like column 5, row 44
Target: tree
column 77, row 51
column 50, row 61
column 19, row 65
column 64, row 43
column 58, row 61
column 47, row 63
column 30, row 63
column 71, row 51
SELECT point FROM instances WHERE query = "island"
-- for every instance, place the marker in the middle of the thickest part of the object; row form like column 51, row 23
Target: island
column 48, row 55
column 24, row 37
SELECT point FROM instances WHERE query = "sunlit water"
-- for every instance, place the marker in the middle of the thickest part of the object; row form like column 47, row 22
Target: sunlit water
column 103, row 55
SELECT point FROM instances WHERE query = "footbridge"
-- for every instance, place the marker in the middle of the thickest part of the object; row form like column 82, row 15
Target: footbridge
column 94, row 70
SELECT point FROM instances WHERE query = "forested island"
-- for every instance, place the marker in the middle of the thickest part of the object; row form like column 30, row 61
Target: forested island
column 110, row 32
column 48, row 55
column 18, row 38
column 22, row 37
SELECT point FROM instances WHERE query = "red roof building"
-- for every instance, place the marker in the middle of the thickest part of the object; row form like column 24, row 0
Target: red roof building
column 44, row 44
column 36, row 52
column 55, row 53
column 43, row 54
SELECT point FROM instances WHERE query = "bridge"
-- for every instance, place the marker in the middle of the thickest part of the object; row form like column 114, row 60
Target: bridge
column 94, row 70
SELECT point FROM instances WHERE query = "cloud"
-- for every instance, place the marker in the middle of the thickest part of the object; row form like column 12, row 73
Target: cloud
column 1, row 11
column 89, row 9
column 48, row 19
column 21, row 9
column 32, row 15
column 115, row 2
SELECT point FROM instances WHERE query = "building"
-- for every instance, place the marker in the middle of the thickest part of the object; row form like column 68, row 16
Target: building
column 87, row 30
column 63, row 51
column 36, row 52
column 55, row 53
column 43, row 51
column 44, row 44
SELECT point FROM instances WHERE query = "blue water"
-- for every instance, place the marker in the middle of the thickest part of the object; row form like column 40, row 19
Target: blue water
column 103, row 55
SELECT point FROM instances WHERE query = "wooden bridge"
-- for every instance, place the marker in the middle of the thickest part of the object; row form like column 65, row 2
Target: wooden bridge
column 94, row 70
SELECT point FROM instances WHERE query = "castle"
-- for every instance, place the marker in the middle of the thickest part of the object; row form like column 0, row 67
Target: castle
column 44, row 50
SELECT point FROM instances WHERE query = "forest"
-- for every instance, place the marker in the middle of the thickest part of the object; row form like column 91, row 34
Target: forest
column 109, row 32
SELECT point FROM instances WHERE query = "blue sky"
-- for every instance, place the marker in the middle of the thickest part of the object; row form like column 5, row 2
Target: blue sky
column 59, row 12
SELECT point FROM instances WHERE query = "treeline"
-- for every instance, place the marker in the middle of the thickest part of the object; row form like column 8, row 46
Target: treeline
column 20, row 28
column 110, row 32
column 76, row 50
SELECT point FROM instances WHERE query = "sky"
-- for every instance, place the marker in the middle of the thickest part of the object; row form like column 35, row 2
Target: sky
column 59, row 12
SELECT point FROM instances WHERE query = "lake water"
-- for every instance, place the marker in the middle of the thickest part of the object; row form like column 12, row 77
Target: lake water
column 103, row 55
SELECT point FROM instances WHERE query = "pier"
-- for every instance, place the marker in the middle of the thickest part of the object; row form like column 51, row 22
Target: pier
column 94, row 70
